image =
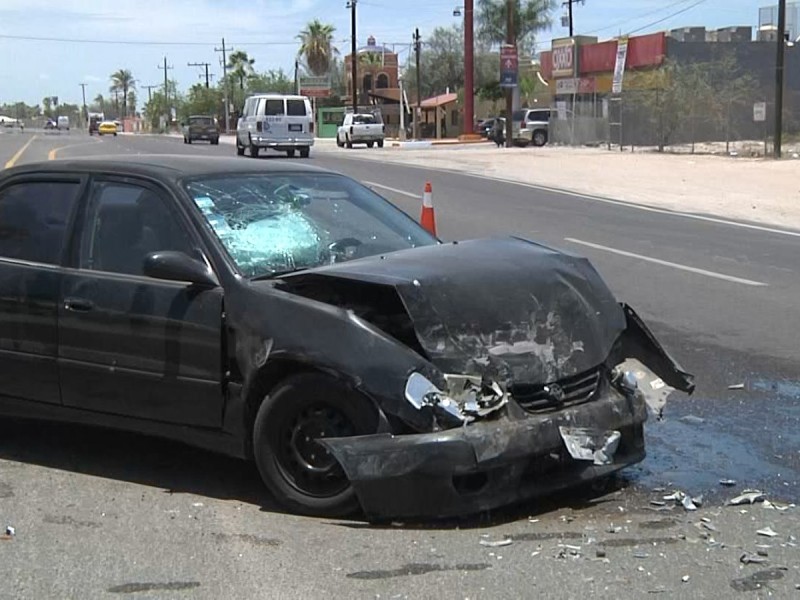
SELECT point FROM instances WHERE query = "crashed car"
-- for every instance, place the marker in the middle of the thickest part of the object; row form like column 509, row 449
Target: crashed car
column 289, row 315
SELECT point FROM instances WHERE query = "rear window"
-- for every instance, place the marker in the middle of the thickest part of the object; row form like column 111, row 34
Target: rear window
column 274, row 108
column 364, row 119
column 296, row 108
column 539, row 115
column 201, row 121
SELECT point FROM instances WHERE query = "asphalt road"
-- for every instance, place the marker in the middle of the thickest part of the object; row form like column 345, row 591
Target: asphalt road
column 100, row 513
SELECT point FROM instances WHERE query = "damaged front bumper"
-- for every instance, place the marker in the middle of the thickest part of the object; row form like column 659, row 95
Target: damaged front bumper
column 486, row 464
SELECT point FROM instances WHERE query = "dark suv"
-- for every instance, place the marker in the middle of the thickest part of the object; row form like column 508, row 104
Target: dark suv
column 201, row 127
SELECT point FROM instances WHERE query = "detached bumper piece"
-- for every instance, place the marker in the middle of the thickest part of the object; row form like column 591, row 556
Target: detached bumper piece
column 491, row 463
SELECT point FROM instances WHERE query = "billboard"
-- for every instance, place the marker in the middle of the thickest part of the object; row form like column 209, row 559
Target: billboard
column 565, row 58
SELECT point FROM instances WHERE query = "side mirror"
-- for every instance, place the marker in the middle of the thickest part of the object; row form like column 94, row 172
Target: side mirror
column 178, row 266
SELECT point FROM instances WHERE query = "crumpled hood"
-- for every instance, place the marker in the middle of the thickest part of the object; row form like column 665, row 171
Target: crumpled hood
column 505, row 308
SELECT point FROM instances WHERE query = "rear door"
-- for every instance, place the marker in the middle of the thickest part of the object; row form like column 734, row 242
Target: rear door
column 298, row 118
column 35, row 216
column 129, row 344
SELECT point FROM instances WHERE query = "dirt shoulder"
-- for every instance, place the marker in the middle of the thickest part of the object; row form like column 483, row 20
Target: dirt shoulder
column 764, row 191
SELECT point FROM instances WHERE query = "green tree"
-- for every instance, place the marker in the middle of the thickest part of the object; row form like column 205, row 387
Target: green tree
column 240, row 70
column 203, row 101
column 530, row 17
column 157, row 107
column 98, row 104
column 277, row 81
column 316, row 47
column 121, row 82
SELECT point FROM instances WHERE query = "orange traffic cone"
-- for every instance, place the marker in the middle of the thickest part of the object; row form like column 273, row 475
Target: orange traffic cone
column 428, row 218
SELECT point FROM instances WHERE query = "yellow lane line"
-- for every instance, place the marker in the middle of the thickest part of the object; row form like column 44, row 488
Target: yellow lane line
column 52, row 154
column 13, row 160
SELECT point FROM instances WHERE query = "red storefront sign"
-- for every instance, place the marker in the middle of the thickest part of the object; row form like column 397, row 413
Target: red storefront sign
column 643, row 51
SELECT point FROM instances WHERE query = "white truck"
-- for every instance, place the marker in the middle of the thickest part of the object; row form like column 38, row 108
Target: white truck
column 361, row 128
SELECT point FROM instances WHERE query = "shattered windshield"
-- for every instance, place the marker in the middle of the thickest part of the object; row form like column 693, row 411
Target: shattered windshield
column 276, row 223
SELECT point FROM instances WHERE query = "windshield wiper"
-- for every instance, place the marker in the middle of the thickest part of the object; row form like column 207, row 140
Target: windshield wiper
column 275, row 274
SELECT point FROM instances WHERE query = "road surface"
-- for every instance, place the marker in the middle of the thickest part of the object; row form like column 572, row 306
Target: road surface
column 102, row 513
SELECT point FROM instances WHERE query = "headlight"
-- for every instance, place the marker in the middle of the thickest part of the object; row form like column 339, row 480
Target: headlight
column 466, row 399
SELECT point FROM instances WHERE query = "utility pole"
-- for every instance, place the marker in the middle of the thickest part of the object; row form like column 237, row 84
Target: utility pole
column 779, row 64
column 85, row 110
column 224, row 51
column 149, row 93
column 204, row 64
column 568, row 4
column 511, row 40
column 166, row 92
column 469, row 68
column 353, row 57
column 417, row 50
column 296, row 83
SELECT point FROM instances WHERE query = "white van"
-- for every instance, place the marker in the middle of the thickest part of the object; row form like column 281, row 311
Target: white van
column 283, row 123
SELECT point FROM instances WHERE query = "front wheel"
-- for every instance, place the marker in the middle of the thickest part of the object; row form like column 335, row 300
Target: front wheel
column 339, row 142
column 301, row 473
column 290, row 153
column 348, row 143
column 239, row 147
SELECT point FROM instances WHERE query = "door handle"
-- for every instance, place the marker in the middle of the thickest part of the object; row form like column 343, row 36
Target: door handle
column 78, row 304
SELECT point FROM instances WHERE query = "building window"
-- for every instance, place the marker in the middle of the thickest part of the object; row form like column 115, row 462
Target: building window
column 383, row 81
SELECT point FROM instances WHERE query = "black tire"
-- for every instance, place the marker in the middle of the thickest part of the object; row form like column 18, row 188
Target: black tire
column 539, row 137
column 215, row 142
column 300, row 473
column 380, row 143
column 185, row 141
column 188, row 140
column 253, row 150
column 115, row 134
column 290, row 153
column 305, row 152
column 348, row 143
column 239, row 147
column 370, row 144
column 339, row 142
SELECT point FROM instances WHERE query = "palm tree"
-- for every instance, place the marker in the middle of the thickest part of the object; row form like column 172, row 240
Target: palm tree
column 122, row 82
column 370, row 59
column 530, row 17
column 316, row 47
column 240, row 66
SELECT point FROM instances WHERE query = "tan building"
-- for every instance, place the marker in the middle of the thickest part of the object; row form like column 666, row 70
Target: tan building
column 377, row 85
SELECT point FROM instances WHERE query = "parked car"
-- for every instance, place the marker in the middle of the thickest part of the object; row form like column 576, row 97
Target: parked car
column 485, row 126
column 107, row 128
column 201, row 127
column 531, row 126
column 361, row 128
column 277, row 122
column 291, row 316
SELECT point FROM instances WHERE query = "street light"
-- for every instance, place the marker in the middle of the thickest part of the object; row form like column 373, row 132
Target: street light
column 457, row 11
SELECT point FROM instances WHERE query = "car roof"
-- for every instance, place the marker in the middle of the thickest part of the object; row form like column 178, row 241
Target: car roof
column 277, row 95
column 164, row 166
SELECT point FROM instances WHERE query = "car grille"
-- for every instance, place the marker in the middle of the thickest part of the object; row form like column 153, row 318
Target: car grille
column 536, row 398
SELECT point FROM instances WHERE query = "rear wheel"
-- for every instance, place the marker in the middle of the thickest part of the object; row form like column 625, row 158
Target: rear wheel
column 539, row 138
column 301, row 473
column 290, row 153
column 380, row 143
column 188, row 140
column 253, row 149
column 215, row 142
column 239, row 147
column 348, row 143
column 305, row 152
column 370, row 144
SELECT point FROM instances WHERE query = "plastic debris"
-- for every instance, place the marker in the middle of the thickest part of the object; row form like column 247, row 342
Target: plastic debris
column 748, row 497
column 600, row 553
column 761, row 552
column 497, row 543
column 690, row 503
column 10, row 530
column 641, row 555
column 736, row 386
column 589, row 444
column 685, row 578
column 767, row 532
column 727, row 482
column 777, row 505
column 751, row 559
column 693, row 419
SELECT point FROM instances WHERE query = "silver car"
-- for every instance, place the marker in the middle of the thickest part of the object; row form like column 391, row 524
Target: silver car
column 530, row 126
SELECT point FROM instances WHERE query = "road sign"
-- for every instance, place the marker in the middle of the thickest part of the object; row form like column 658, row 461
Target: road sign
column 509, row 66
column 315, row 92
column 315, row 86
column 619, row 65
column 760, row 112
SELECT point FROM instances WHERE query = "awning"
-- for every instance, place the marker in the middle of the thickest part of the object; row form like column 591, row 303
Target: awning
column 438, row 101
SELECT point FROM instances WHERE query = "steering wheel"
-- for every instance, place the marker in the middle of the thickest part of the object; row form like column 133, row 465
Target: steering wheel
column 339, row 247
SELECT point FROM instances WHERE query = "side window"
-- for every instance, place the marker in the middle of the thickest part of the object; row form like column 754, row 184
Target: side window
column 296, row 108
column 260, row 107
column 275, row 108
column 33, row 219
column 248, row 107
column 125, row 223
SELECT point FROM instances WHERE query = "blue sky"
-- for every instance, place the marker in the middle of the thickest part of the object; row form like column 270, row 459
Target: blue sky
column 188, row 30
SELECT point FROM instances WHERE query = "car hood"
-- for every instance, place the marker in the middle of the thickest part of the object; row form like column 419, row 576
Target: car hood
column 503, row 308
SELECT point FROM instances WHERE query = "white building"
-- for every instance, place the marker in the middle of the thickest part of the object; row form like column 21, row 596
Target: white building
column 768, row 22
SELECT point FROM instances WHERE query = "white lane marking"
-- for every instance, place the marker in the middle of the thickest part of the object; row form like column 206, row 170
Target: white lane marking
column 582, row 196
column 669, row 264
column 391, row 189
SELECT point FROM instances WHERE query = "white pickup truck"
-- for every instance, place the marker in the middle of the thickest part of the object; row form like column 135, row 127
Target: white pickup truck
column 360, row 128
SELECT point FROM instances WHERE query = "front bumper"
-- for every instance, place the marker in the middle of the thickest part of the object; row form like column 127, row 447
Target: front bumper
column 486, row 464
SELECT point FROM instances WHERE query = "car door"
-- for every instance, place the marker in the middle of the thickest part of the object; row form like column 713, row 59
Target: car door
column 35, row 213
column 130, row 344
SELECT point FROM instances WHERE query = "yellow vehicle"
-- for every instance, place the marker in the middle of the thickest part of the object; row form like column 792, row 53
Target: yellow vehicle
column 107, row 127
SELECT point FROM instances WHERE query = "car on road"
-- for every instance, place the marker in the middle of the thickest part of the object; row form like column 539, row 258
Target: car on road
column 201, row 127
column 107, row 128
column 277, row 122
column 360, row 128
column 289, row 315
column 63, row 123
column 531, row 126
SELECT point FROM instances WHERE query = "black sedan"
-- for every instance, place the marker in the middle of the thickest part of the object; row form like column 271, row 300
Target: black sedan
column 289, row 315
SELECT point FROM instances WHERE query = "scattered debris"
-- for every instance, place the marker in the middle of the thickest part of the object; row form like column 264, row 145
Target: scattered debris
column 589, row 444
column 688, row 502
column 727, row 482
column 614, row 529
column 685, row 578
column 777, row 505
column 767, row 532
column 600, row 553
column 535, row 553
column 657, row 503
column 736, row 386
column 708, row 525
column 751, row 559
column 640, row 554
column 197, row 504
column 693, row 419
column 762, row 552
column 748, row 497
column 497, row 543
column 10, row 530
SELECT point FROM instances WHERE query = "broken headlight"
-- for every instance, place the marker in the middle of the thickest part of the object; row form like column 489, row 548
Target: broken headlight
column 466, row 398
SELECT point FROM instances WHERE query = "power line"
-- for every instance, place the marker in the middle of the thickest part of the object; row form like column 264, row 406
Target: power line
column 201, row 64
column 675, row 14
column 132, row 43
